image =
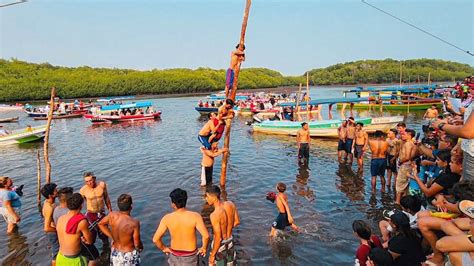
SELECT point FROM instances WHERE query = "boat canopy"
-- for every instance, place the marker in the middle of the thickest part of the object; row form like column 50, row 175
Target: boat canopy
column 125, row 106
column 403, row 89
column 216, row 97
column 326, row 101
column 118, row 98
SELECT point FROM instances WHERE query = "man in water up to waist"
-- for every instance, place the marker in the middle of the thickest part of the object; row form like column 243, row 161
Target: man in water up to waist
column 182, row 225
column 379, row 148
column 303, row 140
column 96, row 196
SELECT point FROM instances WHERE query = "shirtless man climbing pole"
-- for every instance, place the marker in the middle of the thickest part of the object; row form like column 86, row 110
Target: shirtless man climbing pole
column 208, row 131
column 303, row 140
column 378, row 147
column 182, row 225
column 236, row 58
column 125, row 233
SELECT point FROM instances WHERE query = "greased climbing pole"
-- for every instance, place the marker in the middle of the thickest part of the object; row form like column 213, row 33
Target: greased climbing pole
column 232, row 96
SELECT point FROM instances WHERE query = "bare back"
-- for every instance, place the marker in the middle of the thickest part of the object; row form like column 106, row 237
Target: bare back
column 123, row 228
column 232, row 218
column 182, row 228
column 207, row 128
column 69, row 244
column 279, row 202
column 378, row 148
column 219, row 220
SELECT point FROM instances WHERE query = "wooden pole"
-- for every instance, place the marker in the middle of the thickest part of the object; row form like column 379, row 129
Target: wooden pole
column 228, row 126
column 307, row 95
column 38, row 173
column 46, row 137
column 400, row 73
column 298, row 96
column 429, row 78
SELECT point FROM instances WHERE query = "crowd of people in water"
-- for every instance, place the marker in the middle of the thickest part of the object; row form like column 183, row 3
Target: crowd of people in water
column 433, row 182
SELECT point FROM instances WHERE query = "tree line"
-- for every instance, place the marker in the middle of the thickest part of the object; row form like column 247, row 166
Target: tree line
column 28, row 81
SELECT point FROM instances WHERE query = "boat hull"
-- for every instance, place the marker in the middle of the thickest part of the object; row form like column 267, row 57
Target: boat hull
column 396, row 107
column 206, row 110
column 97, row 119
column 325, row 128
column 59, row 117
column 9, row 120
column 23, row 136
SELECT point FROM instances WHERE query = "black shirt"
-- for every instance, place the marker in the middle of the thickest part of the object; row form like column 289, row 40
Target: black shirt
column 447, row 180
column 409, row 249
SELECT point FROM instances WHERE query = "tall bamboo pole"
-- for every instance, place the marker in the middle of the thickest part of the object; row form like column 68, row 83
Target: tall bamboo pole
column 38, row 174
column 228, row 126
column 429, row 78
column 47, row 164
column 400, row 73
column 307, row 95
column 298, row 97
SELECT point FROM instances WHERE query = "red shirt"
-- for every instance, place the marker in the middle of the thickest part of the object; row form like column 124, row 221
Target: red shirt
column 363, row 251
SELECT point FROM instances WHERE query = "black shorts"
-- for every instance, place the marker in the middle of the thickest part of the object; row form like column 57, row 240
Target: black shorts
column 391, row 166
column 303, row 152
column 341, row 145
column 89, row 251
column 349, row 145
column 377, row 166
column 358, row 151
column 281, row 221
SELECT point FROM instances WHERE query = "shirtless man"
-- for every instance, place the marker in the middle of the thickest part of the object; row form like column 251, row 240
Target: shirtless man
column 284, row 217
column 360, row 144
column 219, row 227
column 71, row 227
column 96, row 196
column 233, row 220
column 407, row 153
column 182, row 225
column 303, row 140
column 125, row 233
column 350, row 139
column 378, row 147
column 50, row 192
column 236, row 58
column 431, row 113
column 207, row 131
column 207, row 163
column 226, row 111
column 341, row 145
column 394, row 145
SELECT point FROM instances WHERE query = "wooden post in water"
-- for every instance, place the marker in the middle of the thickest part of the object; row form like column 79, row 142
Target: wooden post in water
column 298, row 96
column 38, row 170
column 400, row 73
column 228, row 126
column 46, row 137
column 429, row 78
column 307, row 95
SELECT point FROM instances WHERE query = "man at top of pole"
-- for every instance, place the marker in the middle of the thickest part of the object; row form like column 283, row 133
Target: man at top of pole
column 236, row 58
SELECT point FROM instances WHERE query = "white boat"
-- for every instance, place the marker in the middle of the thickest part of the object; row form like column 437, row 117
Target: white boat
column 5, row 107
column 23, row 135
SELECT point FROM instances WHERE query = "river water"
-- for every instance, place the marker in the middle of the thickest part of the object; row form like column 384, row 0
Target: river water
column 149, row 159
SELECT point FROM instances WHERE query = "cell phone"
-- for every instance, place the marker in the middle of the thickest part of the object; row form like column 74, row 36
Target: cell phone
column 417, row 137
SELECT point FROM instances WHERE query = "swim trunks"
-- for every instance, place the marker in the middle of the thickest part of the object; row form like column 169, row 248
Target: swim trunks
column 229, row 79
column 181, row 258
column 205, row 141
column 94, row 218
column 78, row 260
column 53, row 243
column 281, row 221
column 118, row 258
column 226, row 252
column 349, row 145
column 7, row 216
column 341, row 145
column 402, row 178
column 206, row 175
column 89, row 251
column 377, row 167
column 303, row 152
column 358, row 151
column 392, row 166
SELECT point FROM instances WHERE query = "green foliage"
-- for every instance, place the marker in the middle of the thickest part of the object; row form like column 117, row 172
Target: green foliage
column 26, row 81
column 388, row 71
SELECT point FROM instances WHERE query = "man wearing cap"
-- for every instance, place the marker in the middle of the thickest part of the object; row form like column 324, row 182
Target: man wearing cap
column 303, row 140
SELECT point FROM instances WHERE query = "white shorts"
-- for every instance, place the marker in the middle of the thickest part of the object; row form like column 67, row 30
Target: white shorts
column 7, row 216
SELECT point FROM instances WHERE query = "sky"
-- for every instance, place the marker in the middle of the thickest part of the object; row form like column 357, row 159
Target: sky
column 290, row 36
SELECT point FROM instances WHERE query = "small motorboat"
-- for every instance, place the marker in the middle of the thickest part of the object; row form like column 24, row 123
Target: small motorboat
column 9, row 120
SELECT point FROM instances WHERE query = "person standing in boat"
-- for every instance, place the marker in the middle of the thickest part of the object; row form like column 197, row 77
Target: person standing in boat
column 236, row 58
column 360, row 144
column 341, row 145
column 303, row 140
column 378, row 147
column 96, row 196
column 182, row 226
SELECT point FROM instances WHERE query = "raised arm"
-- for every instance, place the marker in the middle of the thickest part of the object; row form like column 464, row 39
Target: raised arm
column 465, row 131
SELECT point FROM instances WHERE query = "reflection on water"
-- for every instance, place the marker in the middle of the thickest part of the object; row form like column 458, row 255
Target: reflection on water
column 148, row 159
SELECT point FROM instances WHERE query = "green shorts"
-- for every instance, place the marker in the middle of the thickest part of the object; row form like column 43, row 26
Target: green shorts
column 70, row 260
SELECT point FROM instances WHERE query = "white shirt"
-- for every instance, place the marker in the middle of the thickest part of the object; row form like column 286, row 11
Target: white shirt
column 467, row 145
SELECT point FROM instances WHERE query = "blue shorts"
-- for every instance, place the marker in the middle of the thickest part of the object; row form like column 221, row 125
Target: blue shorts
column 349, row 145
column 205, row 141
column 377, row 166
column 229, row 79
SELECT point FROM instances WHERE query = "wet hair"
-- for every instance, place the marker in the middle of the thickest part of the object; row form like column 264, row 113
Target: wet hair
column 401, row 124
column 412, row 203
column 380, row 257
column 179, row 198
column 411, row 132
column 463, row 190
column 86, row 174
column 48, row 190
column 210, row 114
column 360, row 124
column 451, row 139
column 229, row 101
column 444, row 155
column 124, row 202
column 303, row 124
column 74, row 202
column 281, row 187
column 3, row 181
column 378, row 134
column 362, row 229
column 214, row 190
column 64, row 193
column 237, row 46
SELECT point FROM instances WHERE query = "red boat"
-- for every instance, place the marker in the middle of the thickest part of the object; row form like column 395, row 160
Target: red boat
column 123, row 113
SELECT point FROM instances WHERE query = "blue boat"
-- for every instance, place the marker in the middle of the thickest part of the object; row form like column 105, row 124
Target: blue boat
column 206, row 110
column 113, row 107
